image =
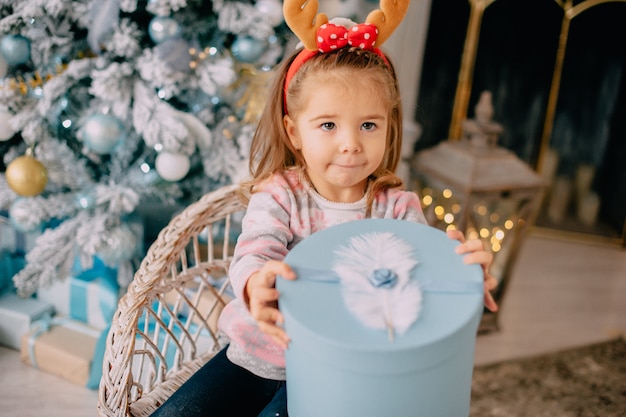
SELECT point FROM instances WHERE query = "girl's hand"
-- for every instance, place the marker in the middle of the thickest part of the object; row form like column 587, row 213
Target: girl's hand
column 475, row 253
column 262, row 299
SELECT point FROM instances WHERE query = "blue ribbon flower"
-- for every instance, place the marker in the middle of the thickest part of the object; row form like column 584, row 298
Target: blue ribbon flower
column 383, row 278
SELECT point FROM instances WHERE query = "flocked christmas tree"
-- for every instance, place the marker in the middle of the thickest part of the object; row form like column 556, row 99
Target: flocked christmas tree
column 107, row 104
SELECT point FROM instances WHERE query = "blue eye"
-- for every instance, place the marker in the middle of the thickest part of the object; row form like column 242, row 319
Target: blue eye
column 328, row 126
column 368, row 126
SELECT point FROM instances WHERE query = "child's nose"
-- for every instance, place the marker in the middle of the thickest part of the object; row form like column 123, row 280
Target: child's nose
column 350, row 142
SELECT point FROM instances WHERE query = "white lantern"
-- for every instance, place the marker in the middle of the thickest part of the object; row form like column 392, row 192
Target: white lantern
column 482, row 189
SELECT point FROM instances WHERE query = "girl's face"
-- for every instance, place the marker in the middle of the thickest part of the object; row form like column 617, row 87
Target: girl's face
column 341, row 131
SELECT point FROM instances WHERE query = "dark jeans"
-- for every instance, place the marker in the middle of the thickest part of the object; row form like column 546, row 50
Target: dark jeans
column 223, row 389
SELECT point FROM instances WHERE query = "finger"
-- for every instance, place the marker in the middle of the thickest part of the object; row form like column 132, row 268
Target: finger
column 263, row 295
column 277, row 333
column 490, row 303
column 282, row 341
column 279, row 268
column 490, row 282
column 274, row 331
column 456, row 235
column 263, row 279
column 258, row 281
column 473, row 245
column 481, row 257
column 267, row 314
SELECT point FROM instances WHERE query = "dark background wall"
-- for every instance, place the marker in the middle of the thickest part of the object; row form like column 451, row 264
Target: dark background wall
column 515, row 61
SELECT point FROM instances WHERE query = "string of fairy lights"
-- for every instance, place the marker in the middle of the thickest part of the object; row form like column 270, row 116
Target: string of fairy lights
column 445, row 210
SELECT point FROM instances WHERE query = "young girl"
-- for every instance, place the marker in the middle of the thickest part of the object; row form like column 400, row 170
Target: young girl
column 325, row 152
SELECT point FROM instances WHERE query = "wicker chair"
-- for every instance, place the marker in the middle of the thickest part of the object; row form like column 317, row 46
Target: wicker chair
column 164, row 326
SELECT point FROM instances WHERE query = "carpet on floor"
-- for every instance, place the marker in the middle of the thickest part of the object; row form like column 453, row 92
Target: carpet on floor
column 585, row 382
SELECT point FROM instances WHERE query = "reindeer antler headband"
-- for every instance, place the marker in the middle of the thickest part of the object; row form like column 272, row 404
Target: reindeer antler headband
column 320, row 36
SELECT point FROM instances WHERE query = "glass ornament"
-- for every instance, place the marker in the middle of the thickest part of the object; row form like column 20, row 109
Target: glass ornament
column 15, row 49
column 120, row 245
column 26, row 176
column 101, row 133
column 172, row 166
column 65, row 113
column 162, row 28
column 248, row 49
column 175, row 53
column 62, row 118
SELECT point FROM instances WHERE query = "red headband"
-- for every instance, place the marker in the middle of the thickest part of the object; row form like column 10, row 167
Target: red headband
column 331, row 37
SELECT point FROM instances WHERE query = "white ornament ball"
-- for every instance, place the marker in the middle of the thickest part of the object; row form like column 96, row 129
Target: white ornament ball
column 101, row 133
column 15, row 49
column 162, row 28
column 172, row 166
column 6, row 131
column 272, row 10
column 120, row 245
column 22, row 216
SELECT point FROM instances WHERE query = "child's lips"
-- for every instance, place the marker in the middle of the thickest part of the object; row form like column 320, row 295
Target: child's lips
column 348, row 165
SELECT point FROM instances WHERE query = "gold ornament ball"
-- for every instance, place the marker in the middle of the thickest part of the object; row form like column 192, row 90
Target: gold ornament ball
column 26, row 176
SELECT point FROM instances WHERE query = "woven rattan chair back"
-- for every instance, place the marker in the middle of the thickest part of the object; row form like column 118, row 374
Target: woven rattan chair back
column 164, row 328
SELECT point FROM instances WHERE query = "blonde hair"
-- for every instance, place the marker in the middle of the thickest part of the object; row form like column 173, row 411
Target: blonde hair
column 271, row 150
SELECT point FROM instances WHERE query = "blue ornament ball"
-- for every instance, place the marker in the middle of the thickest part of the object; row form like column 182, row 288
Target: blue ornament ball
column 163, row 28
column 248, row 49
column 101, row 133
column 15, row 49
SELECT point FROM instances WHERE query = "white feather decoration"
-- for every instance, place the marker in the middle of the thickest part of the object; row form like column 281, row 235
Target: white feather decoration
column 103, row 15
column 375, row 275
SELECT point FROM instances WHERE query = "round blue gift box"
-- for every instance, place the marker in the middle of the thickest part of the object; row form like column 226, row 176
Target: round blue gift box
column 336, row 366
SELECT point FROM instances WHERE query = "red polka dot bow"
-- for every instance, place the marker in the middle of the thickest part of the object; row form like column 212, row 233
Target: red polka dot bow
column 331, row 36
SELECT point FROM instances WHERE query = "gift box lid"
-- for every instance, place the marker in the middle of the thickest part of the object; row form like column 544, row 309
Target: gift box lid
column 13, row 304
column 315, row 311
column 16, row 315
